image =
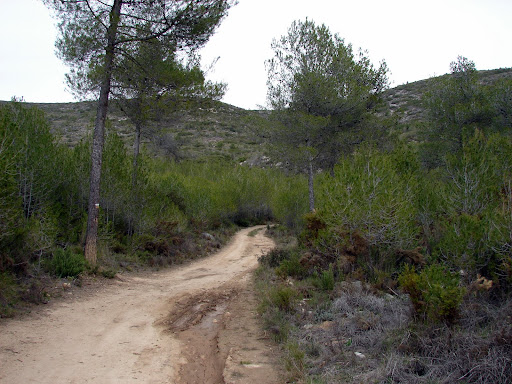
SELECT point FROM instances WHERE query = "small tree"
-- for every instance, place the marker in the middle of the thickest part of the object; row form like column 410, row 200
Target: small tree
column 154, row 83
column 456, row 105
column 319, row 88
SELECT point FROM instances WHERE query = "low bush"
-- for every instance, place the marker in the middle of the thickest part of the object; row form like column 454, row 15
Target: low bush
column 275, row 257
column 292, row 267
column 435, row 293
column 8, row 294
column 283, row 297
column 64, row 263
column 324, row 280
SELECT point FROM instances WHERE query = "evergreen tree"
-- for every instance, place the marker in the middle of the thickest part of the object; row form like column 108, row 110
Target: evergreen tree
column 456, row 106
column 318, row 88
column 94, row 37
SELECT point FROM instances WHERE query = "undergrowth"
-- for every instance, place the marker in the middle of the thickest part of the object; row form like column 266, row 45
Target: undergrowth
column 346, row 327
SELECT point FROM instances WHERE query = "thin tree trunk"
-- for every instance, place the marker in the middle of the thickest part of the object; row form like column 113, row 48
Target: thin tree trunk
column 99, row 138
column 311, row 184
column 136, row 151
column 135, row 191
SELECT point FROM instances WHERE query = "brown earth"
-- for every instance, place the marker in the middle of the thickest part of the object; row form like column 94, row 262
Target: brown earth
column 191, row 324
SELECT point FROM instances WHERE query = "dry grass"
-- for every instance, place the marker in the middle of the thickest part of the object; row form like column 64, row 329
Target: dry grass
column 357, row 335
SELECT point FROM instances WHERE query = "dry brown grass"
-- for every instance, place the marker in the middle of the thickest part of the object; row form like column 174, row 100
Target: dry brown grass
column 358, row 335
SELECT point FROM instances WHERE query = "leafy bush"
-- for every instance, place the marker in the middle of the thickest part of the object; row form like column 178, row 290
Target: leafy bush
column 435, row 292
column 275, row 257
column 291, row 267
column 473, row 224
column 283, row 297
column 290, row 202
column 373, row 193
column 324, row 280
column 66, row 264
column 8, row 294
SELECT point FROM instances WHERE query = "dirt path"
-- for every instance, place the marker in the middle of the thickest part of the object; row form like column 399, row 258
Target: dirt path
column 192, row 324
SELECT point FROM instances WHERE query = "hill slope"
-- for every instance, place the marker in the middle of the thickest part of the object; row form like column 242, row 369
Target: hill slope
column 221, row 130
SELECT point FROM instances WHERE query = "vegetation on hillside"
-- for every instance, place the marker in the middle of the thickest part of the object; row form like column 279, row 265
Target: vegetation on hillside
column 404, row 271
column 175, row 211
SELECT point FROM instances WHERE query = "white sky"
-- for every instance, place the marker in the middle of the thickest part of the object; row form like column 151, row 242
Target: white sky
column 417, row 39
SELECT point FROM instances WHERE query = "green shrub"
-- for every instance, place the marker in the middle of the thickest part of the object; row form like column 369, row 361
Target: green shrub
column 276, row 322
column 323, row 280
column 472, row 226
column 326, row 280
column 290, row 202
column 373, row 193
column 275, row 257
column 66, row 264
column 435, row 292
column 291, row 267
column 8, row 294
column 295, row 360
column 108, row 273
column 283, row 297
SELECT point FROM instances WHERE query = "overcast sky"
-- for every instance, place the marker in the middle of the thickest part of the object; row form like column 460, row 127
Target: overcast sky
column 417, row 39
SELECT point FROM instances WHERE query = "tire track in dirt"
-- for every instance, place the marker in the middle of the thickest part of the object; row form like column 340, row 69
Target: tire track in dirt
column 173, row 326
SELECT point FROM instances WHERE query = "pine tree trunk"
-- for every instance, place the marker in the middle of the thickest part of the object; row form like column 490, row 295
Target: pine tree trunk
column 99, row 139
column 135, row 190
column 136, row 151
column 311, row 184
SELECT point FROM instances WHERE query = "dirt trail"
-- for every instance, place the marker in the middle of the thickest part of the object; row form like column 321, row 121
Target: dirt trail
column 191, row 324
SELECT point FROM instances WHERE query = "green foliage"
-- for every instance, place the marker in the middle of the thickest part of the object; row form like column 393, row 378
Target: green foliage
column 312, row 68
column 28, row 187
column 473, row 219
column 290, row 202
column 283, row 297
column 10, row 213
column 73, row 189
column 456, row 106
column 325, row 279
column 500, row 99
column 435, row 292
column 116, row 185
column 373, row 193
column 275, row 257
column 82, row 39
column 29, row 143
column 295, row 360
column 317, row 88
column 65, row 263
column 292, row 267
column 8, row 294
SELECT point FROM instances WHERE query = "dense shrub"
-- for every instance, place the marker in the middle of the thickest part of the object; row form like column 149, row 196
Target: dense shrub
column 290, row 202
column 283, row 297
column 325, row 280
column 292, row 266
column 474, row 221
column 8, row 294
column 435, row 293
column 65, row 263
column 275, row 257
column 370, row 193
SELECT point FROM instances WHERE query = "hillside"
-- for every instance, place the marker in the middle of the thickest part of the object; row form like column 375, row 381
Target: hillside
column 220, row 130
column 404, row 101
column 215, row 130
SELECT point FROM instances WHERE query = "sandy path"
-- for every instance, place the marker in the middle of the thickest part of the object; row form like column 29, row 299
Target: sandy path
column 172, row 326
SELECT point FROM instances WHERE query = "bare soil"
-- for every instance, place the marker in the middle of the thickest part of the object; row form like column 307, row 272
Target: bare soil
column 191, row 324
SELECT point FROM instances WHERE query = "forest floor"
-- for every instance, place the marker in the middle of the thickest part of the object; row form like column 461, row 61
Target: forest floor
column 195, row 323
